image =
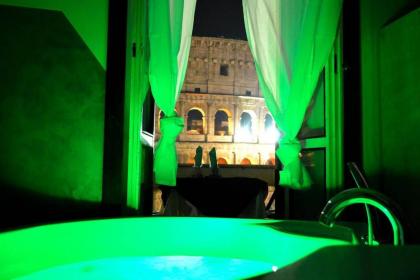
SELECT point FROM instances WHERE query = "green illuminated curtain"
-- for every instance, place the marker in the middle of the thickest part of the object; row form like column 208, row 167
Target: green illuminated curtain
column 170, row 29
column 290, row 41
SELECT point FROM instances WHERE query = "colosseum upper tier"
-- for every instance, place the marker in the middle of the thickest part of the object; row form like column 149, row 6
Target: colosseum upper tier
column 222, row 106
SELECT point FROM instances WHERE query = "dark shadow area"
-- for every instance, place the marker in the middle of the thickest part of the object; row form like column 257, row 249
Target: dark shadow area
column 113, row 193
column 352, row 140
column 404, row 190
column 219, row 18
column 405, row 10
column 219, row 197
column 311, row 229
column 307, row 204
column 52, row 91
column 354, row 262
column 21, row 208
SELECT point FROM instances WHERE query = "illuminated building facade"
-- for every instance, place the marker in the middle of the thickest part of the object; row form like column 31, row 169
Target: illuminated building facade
column 222, row 106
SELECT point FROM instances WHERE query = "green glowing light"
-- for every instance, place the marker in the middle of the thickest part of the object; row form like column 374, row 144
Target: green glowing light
column 89, row 18
column 178, row 267
column 396, row 228
column 112, row 246
column 170, row 29
column 52, row 140
column 290, row 42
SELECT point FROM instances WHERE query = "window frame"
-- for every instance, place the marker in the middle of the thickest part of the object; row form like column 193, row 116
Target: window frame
column 224, row 70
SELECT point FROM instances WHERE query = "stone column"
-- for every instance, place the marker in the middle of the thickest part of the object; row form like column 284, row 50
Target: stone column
column 211, row 113
column 236, row 121
column 255, row 122
column 261, row 124
column 230, row 126
column 205, row 124
column 211, row 125
column 183, row 114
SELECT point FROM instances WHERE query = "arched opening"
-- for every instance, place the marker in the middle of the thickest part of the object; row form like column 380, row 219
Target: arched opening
column 270, row 161
column 268, row 123
column 221, row 123
column 245, row 161
column 162, row 114
column 190, row 161
column 221, row 161
column 271, row 133
column 195, row 122
column 246, row 123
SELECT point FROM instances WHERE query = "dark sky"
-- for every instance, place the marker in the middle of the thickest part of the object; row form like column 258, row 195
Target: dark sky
column 219, row 18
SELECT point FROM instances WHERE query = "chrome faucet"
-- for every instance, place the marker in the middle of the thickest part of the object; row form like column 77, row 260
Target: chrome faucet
column 339, row 202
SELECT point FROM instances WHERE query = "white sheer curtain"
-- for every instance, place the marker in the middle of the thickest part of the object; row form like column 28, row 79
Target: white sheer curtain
column 290, row 41
column 170, row 31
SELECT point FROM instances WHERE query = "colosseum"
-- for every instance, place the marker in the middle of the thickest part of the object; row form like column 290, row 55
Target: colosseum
column 222, row 106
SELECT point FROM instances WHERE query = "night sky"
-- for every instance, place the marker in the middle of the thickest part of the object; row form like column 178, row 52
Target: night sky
column 219, row 18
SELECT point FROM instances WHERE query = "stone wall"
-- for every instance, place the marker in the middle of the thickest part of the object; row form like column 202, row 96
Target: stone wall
column 221, row 66
column 209, row 89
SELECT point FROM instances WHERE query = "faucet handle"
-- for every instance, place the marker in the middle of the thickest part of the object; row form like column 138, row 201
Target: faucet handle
column 342, row 200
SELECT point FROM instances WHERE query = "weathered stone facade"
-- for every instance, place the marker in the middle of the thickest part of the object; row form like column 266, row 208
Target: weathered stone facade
column 222, row 106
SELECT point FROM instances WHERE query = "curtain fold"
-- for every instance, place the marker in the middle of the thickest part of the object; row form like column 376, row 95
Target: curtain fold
column 290, row 41
column 170, row 31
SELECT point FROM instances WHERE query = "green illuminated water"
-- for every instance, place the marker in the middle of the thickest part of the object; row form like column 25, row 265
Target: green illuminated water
column 167, row 267
column 126, row 248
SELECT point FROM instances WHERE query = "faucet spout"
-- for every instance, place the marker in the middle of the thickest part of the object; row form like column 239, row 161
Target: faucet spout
column 339, row 202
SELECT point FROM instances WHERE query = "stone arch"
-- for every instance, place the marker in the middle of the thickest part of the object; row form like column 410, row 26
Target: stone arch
column 269, row 131
column 270, row 161
column 246, row 161
column 190, row 161
column 268, row 122
column 222, row 161
column 222, row 122
column 248, row 121
column 195, row 121
column 227, row 111
column 161, row 114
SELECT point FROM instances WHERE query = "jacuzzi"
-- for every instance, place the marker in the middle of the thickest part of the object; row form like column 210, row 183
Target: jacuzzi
column 162, row 248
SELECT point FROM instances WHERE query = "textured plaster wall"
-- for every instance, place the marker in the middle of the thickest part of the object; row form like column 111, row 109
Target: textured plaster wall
column 52, row 92
column 89, row 19
column 390, row 101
